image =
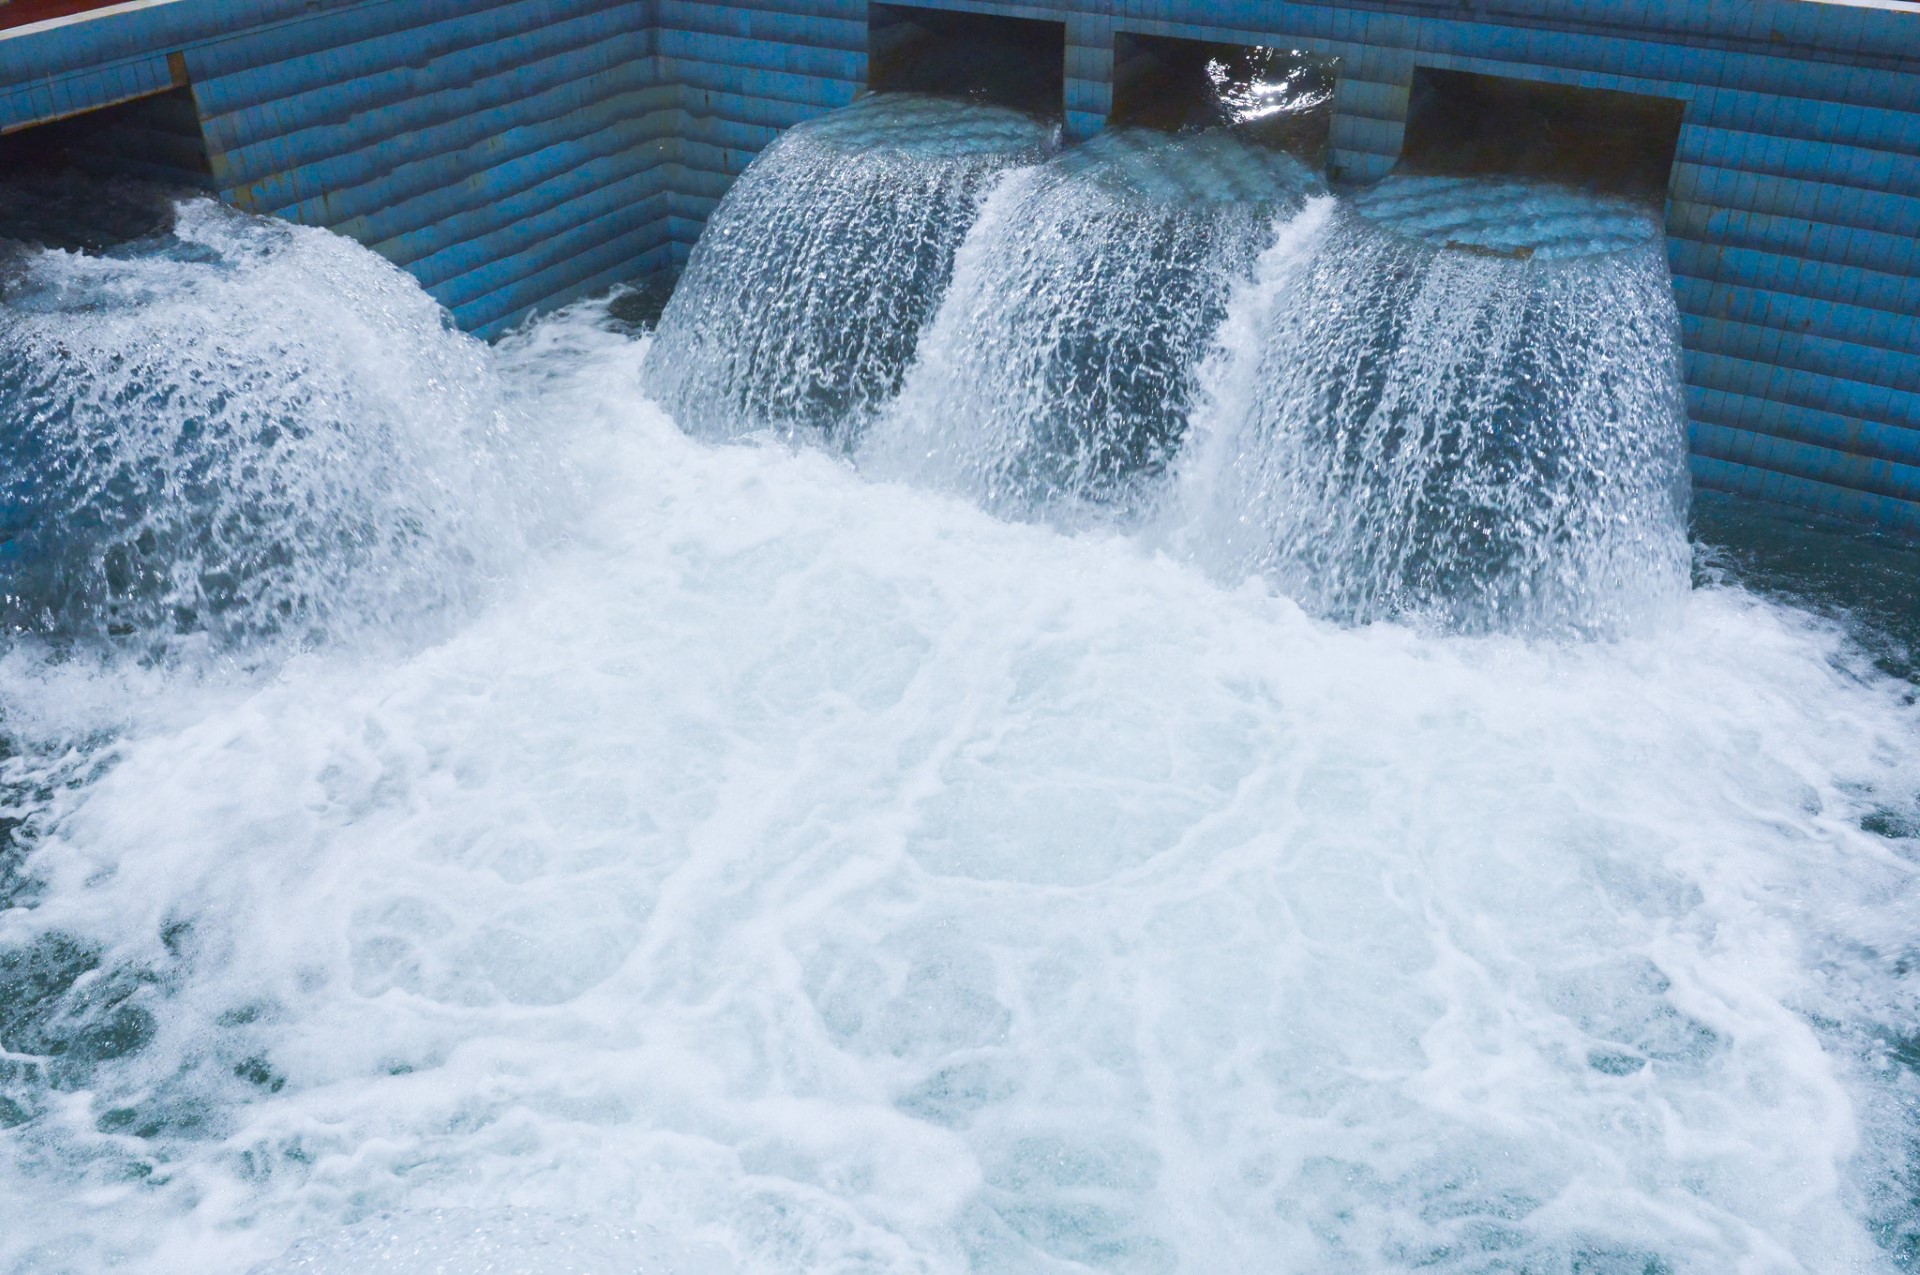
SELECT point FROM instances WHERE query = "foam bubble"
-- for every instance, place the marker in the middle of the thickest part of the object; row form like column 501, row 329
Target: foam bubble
column 809, row 873
column 522, row 1241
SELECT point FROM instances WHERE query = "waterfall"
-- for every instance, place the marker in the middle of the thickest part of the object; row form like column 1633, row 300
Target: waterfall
column 801, row 306
column 1059, row 371
column 1459, row 403
column 235, row 430
column 1453, row 401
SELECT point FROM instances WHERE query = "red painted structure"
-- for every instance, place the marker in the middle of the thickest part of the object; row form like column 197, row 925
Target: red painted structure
column 20, row 12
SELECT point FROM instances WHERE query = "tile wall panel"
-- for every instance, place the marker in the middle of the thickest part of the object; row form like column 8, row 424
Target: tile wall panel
column 513, row 154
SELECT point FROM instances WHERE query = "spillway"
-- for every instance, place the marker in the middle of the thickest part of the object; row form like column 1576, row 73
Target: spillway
column 1451, row 400
column 1059, row 370
column 1458, row 401
column 508, row 807
column 800, row 311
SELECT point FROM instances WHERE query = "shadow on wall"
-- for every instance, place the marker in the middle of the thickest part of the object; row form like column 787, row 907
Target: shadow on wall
column 1015, row 62
column 1461, row 124
column 103, row 177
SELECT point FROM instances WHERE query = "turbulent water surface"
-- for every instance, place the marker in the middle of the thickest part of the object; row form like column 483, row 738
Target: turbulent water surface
column 486, row 826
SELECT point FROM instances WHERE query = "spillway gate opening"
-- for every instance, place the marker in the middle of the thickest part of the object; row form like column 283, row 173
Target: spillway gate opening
column 1464, row 124
column 1283, row 96
column 102, row 177
column 1016, row 62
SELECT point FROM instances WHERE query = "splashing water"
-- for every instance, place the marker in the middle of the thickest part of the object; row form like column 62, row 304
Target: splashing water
column 187, row 464
column 1059, row 370
column 785, row 872
column 802, row 303
column 1454, row 403
column 1457, row 401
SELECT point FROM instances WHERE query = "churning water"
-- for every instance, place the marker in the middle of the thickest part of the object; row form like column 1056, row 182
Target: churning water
column 458, row 819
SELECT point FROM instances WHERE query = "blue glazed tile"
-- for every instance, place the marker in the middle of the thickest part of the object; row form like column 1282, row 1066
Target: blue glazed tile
column 1881, row 170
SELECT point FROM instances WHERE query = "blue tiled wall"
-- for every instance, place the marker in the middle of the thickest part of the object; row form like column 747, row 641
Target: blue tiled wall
column 1793, row 222
column 514, row 153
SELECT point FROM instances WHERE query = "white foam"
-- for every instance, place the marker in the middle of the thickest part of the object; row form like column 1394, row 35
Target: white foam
column 522, row 1241
column 819, row 874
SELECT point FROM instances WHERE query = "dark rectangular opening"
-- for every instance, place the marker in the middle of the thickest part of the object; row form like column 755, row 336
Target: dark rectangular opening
column 1460, row 123
column 1017, row 62
column 104, row 176
column 1285, row 95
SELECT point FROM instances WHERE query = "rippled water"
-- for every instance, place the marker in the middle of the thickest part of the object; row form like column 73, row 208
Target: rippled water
column 703, row 858
column 1522, row 219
